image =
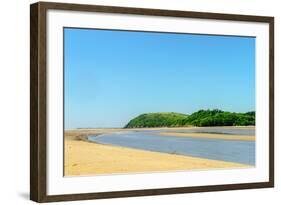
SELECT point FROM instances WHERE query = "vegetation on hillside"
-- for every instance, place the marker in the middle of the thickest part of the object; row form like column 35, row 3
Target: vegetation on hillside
column 161, row 119
column 201, row 118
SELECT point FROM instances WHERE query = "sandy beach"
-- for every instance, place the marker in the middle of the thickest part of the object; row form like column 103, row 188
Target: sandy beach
column 87, row 158
column 210, row 136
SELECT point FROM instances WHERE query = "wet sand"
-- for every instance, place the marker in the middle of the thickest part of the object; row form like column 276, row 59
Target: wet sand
column 84, row 158
column 209, row 136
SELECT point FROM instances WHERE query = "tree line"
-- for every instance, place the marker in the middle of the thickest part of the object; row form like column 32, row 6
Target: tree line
column 201, row 118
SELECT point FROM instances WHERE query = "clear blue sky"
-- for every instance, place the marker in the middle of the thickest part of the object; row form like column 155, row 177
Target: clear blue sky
column 113, row 76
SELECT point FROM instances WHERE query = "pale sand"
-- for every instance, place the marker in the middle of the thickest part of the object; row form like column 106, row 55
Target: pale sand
column 209, row 135
column 85, row 158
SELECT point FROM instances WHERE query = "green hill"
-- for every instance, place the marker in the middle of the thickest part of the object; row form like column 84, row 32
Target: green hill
column 161, row 119
column 200, row 118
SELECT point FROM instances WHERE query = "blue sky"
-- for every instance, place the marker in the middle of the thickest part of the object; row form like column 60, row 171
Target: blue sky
column 112, row 76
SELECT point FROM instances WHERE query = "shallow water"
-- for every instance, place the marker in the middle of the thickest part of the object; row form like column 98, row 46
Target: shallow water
column 215, row 130
column 218, row 149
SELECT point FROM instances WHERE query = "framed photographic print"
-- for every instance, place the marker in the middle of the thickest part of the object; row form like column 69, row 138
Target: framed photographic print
column 134, row 102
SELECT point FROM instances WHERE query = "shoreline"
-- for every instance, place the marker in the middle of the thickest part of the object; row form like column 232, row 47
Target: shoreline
column 209, row 136
column 83, row 157
column 158, row 128
column 82, row 134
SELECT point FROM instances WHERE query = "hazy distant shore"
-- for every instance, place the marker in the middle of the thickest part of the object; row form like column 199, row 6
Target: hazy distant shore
column 95, row 130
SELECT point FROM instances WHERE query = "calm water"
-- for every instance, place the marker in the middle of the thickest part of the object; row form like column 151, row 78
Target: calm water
column 226, row 150
column 214, row 130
